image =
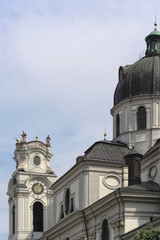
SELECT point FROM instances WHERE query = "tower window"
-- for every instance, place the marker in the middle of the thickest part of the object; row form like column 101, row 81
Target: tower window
column 141, row 118
column 117, row 125
column 13, row 219
column 105, row 230
column 38, row 217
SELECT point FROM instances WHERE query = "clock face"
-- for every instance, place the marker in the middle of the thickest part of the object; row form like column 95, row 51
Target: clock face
column 37, row 188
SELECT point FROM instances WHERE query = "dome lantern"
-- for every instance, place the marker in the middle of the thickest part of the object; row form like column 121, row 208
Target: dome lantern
column 153, row 42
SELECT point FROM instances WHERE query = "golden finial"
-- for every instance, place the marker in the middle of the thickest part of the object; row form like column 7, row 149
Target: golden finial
column 155, row 23
column 105, row 134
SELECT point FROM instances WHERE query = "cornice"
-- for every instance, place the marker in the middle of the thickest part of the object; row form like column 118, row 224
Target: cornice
column 133, row 99
column 18, row 194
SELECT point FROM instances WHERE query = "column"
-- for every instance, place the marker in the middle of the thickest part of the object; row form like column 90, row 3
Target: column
column 10, row 217
column 148, row 116
column 134, row 119
column 155, row 114
column 26, row 212
column 124, row 176
column 20, row 212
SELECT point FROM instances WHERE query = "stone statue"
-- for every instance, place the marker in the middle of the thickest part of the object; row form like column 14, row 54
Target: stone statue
column 23, row 136
column 48, row 139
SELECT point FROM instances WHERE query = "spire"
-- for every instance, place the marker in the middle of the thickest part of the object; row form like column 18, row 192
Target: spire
column 155, row 23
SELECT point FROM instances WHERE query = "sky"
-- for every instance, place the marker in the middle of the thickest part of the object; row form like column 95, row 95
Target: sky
column 59, row 62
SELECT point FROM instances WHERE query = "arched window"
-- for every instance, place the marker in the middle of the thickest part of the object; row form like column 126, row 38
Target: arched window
column 117, row 125
column 105, row 230
column 13, row 226
column 38, row 217
column 141, row 118
column 67, row 201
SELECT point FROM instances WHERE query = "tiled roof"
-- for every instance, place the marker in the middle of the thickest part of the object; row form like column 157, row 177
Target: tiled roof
column 108, row 151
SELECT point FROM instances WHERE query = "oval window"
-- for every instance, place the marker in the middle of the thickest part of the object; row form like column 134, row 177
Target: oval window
column 36, row 160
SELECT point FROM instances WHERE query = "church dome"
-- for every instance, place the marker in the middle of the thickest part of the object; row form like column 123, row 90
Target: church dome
column 142, row 77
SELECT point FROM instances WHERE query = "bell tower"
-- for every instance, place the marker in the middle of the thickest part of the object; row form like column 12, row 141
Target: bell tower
column 30, row 197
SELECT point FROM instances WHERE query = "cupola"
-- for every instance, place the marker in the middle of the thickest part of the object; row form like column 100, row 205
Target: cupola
column 142, row 77
column 136, row 111
column 153, row 42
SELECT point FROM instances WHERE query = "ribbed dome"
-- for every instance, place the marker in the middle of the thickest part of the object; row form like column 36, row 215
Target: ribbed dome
column 143, row 77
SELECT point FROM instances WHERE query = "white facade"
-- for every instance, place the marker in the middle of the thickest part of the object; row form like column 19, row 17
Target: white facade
column 124, row 210
column 76, row 205
column 33, row 172
column 87, row 183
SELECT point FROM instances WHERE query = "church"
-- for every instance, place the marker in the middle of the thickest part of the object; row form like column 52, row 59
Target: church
column 113, row 190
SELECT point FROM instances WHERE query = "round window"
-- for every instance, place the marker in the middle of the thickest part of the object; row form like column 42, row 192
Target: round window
column 36, row 160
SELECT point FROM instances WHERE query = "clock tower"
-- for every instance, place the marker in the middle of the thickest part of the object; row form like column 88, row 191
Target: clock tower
column 30, row 196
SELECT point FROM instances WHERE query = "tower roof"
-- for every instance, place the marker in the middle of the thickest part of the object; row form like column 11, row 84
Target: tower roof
column 108, row 151
column 142, row 77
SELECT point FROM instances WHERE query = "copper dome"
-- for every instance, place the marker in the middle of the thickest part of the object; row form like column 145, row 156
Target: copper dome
column 142, row 77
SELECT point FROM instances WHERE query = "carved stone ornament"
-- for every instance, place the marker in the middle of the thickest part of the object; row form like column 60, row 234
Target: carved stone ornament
column 111, row 181
column 92, row 236
column 49, row 196
column 152, row 173
column 37, row 189
column 48, row 141
column 19, row 194
column 118, row 223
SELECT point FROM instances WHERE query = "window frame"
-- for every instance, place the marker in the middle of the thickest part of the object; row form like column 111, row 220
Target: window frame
column 117, row 125
column 105, row 230
column 38, row 221
column 141, row 118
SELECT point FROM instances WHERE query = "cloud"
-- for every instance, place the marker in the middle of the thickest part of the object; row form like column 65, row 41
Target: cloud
column 59, row 67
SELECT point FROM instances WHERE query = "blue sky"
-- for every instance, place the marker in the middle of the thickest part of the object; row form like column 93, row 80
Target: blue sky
column 59, row 63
